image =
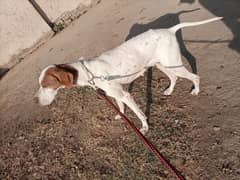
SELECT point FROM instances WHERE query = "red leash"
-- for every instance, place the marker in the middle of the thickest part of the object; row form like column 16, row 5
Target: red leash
column 149, row 145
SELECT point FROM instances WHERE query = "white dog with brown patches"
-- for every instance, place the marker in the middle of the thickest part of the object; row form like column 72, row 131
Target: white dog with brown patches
column 122, row 65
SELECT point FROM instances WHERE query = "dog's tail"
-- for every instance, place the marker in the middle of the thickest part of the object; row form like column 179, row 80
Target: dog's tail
column 175, row 28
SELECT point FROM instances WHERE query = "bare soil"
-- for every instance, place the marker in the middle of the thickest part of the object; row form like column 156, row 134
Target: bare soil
column 77, row 137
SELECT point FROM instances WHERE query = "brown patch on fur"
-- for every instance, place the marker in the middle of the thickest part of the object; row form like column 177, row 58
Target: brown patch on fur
column 62, row 74
column 70, row 69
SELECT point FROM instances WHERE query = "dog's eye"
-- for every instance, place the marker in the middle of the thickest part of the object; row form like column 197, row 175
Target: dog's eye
column 57, row 78
column 50, row 81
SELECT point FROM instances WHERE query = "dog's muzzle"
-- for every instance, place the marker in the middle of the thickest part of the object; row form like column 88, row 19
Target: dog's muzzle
column 46, row 96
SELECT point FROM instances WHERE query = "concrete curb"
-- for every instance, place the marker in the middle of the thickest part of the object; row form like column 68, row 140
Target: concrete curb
column 24, row 30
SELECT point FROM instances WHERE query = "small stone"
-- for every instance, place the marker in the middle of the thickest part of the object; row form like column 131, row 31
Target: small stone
column 216, row 128
column 21, row 137
column 179, row 162
column 165, row 172
column 98, row 126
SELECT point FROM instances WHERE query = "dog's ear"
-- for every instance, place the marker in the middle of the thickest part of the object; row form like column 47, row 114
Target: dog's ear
column 64, row 77
column 67, row 75
column 51, row 79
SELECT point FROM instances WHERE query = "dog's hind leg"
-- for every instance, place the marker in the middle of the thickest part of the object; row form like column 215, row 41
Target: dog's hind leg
column 172, row 77
column 184, row 73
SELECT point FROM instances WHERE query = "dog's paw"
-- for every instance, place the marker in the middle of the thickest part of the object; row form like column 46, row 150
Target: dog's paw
column 195, row 92
column 167, row 92
column 117, row 117
column 144, row 130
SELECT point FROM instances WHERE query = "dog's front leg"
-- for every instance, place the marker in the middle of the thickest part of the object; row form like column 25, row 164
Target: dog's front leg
column 121, row 108
column 116, row 91
column 128, row 100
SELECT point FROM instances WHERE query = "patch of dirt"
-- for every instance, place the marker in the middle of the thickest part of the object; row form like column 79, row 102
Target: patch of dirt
column 81, row 139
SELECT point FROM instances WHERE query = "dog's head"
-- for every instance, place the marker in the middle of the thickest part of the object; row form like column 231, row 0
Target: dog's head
column 53, row 78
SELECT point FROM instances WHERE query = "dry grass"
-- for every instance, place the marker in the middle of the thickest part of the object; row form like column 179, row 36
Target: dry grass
column 81, row 139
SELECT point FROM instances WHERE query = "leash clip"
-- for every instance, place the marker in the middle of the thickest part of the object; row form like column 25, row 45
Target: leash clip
column 103, row 78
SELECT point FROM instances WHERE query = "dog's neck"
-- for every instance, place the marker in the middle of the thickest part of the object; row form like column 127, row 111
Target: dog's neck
column 84, row 76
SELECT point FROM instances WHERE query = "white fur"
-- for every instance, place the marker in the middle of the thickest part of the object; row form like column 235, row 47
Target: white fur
column 46, row 95
column 153, row 48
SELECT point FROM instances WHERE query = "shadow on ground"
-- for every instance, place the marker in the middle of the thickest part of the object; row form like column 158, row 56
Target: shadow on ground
column 230, row 10
column 3, row 71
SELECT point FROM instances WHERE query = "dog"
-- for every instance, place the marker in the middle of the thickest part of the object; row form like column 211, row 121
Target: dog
column 122, row 65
